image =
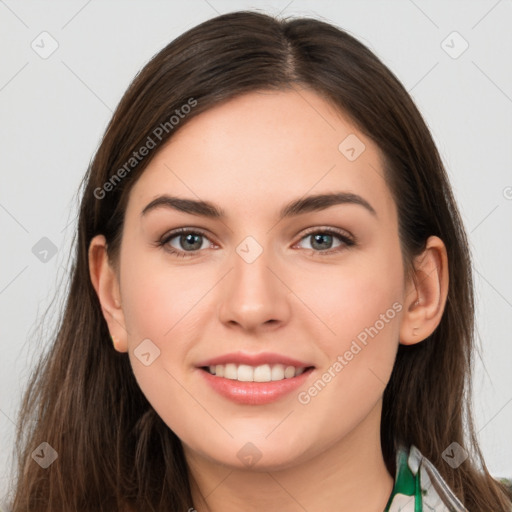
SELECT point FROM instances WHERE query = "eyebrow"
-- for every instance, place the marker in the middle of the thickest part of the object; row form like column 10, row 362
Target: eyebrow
column 298, row 206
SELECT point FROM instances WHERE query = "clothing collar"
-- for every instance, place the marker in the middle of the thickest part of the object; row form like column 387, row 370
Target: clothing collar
column 419, row 487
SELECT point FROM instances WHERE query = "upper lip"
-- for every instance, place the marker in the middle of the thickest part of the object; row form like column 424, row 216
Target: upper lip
column 254, row 360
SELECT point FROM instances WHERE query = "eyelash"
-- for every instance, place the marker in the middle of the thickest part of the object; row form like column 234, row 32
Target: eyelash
column 347, row 241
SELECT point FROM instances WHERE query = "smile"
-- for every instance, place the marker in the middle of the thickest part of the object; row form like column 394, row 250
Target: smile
column 252, row 392
column 261, row 373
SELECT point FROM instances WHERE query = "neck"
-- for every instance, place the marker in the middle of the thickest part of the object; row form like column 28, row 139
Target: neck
column 346, row 476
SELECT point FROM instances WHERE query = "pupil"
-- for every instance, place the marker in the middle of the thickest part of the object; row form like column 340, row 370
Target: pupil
column 319, row 238
column 189, row 239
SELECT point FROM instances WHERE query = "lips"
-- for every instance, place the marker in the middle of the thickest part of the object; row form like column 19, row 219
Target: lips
column 254, row 393
column 261, row 391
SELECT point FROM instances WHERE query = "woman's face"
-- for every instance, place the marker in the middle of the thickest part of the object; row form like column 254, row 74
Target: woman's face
column 322, row 285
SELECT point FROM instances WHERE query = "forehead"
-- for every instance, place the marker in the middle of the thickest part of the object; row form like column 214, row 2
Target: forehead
column 261, row 149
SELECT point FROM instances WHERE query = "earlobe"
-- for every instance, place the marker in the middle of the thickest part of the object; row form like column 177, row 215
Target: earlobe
column 106, row 284
column 426, row 297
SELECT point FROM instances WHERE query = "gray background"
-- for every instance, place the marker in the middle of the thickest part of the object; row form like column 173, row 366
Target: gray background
column 55, row 109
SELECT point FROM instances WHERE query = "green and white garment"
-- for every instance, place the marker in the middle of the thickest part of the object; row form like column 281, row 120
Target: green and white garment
column 419, row 487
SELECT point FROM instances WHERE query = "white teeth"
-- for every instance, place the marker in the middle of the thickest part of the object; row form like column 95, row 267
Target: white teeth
column 278, row 372
column 289, row 372
column 262, row 373
column 230, row 371
column 245, row 373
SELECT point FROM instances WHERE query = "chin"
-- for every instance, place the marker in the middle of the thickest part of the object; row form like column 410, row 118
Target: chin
column 257, row 456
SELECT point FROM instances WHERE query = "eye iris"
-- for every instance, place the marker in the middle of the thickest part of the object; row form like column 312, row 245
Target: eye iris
column 320, row 238
column 193, row 241
column 188, row 238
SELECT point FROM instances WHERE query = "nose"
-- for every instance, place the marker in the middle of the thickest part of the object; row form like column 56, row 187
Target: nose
column 254, row 295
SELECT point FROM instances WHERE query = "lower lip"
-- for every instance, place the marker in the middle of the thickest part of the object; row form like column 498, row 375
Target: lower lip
column 254, row 393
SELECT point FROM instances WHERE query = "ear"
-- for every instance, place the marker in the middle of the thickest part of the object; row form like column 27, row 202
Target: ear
column 106, row 283
column 426, row 295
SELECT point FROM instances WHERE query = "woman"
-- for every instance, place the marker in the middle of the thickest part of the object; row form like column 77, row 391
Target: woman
column 311, row 349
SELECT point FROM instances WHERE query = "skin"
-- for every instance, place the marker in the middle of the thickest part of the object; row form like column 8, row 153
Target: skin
column 250, row 156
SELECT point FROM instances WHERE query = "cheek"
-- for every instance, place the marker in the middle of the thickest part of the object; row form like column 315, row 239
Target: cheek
column 363, row 314
column 158, row 298
column 352, row 297
column 162, row 306
column 360, row 308
column 164, row 387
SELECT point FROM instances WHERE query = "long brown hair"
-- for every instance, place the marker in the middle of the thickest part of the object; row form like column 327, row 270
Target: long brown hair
column 114, row 451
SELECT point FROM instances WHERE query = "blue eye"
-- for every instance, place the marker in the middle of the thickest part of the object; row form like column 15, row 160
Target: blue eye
column 322, row 239
column 190, row 242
